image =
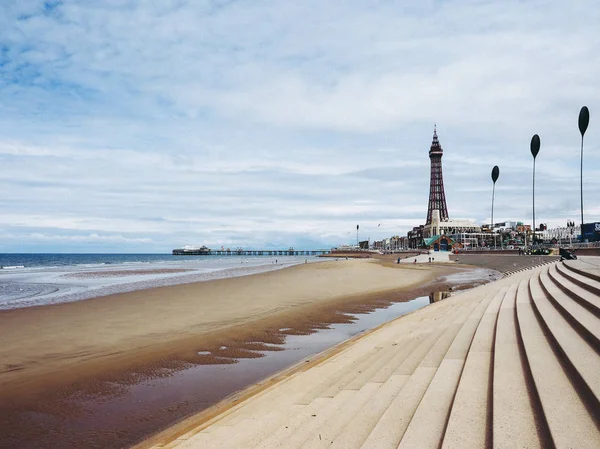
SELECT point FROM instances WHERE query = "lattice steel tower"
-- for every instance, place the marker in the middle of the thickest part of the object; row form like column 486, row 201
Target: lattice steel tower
column 437, row 197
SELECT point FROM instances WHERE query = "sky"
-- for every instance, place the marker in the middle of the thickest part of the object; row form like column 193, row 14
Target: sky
column 143, row 126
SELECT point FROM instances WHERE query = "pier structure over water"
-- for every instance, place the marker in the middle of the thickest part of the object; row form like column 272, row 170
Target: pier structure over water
column 248, row 252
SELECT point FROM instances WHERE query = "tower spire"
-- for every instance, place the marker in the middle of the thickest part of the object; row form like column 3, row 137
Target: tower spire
column 437, row 196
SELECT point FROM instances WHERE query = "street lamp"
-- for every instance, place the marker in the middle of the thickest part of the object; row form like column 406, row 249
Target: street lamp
column 584, row 120
column 535, row 149
column 495, row 174
column 357, row 244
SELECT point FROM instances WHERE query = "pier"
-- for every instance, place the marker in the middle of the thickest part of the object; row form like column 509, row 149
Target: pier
column 249, row 252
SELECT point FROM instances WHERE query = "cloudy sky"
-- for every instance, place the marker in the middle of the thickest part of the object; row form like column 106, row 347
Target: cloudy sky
column 141, row 126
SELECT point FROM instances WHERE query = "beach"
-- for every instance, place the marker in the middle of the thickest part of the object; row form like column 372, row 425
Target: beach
column 54, row 351
column 39, row 341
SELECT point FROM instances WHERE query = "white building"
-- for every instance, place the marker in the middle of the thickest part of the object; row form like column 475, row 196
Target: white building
column 449, row 227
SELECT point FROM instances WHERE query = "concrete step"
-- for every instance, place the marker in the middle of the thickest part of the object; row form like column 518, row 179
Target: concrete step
column 344, row 367
column 288, row 387
column 273, row 439
column 333, row 371
column 383, row 361
column 433, row 348
column 390, row 429
column 283, row 395
column 237, row 435
column 584, row 268
column 368, row 413
column 416, row 350
column 513, row 413
column 581, row 319
column 317, row 411
column 575, row 351
column 403, row 351
column 289, row 390
column 435, row 404
column 359, row 427
column 427, row 427
column 331, row 385
column 469, row 425
column 583, row 278
column 284, row 433
column 584, row 297
column 356, row 370
column 279, row 399
column 315, row 427
column 327, row 369
column 365, row 418
column 565, row 416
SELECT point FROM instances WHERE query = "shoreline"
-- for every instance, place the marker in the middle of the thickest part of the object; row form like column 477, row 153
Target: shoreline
column 41, row 339
column 40, row 285
column 89, row 358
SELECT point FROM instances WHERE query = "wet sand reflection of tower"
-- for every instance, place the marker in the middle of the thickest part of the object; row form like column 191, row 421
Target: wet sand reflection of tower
column 438, row 296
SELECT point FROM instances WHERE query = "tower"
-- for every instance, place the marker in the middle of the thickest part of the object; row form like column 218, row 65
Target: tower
column 437, row 197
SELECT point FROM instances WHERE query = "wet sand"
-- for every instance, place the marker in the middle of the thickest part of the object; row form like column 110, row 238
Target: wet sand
column 56, row 357
column 121, row 273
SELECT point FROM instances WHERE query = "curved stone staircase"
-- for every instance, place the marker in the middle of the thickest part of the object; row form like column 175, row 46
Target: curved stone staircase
column 514, row 363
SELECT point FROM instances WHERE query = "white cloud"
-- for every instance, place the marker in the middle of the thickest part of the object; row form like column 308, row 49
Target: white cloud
column 258, row 123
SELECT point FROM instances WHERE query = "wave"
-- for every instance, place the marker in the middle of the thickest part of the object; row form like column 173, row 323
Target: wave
column 12, row 267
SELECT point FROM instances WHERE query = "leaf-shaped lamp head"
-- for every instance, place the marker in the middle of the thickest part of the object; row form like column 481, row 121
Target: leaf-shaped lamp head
column 535, row 145
column 495, row 173
column 584, row 120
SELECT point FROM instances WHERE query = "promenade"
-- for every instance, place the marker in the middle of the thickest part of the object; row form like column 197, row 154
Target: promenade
column 513, row 363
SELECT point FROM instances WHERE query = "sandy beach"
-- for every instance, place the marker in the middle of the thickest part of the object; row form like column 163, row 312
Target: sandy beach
column 92, row 348
column 63, row 343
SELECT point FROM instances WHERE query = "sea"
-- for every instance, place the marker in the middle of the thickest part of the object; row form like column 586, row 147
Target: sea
column 28, row 280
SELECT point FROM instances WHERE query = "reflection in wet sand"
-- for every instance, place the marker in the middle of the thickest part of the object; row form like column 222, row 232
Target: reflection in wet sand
column 438, row 296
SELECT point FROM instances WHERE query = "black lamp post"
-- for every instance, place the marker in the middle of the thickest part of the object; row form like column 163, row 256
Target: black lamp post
column 535, row 149
column 584, row 120
column 357, row 244
column 495, row 174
